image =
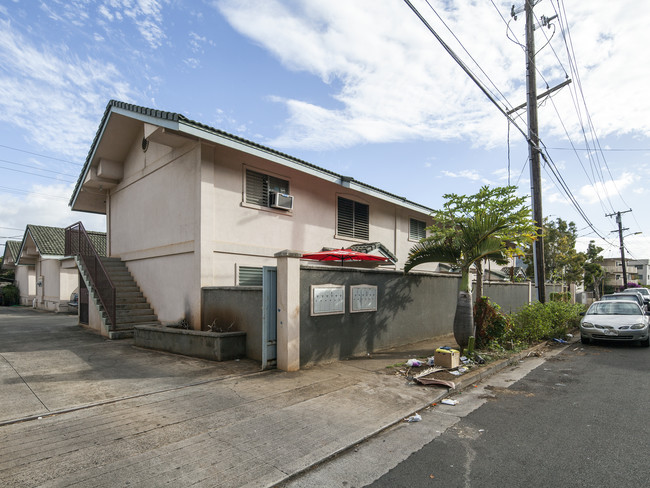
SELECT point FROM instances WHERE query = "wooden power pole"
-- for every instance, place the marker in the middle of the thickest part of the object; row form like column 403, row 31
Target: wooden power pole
column 533, row 153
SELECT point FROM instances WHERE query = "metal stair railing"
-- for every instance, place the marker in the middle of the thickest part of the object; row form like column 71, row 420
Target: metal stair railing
column 78, row 243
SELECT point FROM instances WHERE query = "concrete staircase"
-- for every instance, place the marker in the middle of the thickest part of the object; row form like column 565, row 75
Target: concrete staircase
column 131, row 306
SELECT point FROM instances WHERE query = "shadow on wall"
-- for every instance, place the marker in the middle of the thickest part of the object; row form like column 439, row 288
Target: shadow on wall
column 410, row 308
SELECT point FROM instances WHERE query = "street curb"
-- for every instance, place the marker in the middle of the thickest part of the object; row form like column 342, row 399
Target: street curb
column 467, row 380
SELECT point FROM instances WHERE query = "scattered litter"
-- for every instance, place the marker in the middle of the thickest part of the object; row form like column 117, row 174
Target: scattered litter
column 40, row 418
column 413, row 363
column 431, row 361
column 479, row 359
column 436, row 381
column 569, row 336
column 463, row 369
column 561, row 341
column 448, row 401
column 427, row 372
column 464, row 359
column 481, row 430
column 455, row 373
column 414, row 418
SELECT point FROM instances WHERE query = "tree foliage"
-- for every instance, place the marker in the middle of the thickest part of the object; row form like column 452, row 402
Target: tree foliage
column 518, row 229
column 562, row 263
column 593, row 270
column 491, row 224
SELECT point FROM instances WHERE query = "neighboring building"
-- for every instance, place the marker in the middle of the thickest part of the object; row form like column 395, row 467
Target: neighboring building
column 641, row 270
column 45, row 277
column 613, row 269
column 22, row 279
column 10, row 255
column 189, row 206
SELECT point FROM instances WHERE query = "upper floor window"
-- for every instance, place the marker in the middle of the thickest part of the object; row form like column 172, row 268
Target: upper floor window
column 259, row 187
column 417, row 230
column 353, row 219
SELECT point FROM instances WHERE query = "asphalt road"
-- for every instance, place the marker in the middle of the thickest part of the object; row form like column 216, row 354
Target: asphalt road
column 575, row 419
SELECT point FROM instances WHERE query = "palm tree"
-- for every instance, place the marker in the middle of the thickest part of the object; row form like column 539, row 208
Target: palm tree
column 475, row 239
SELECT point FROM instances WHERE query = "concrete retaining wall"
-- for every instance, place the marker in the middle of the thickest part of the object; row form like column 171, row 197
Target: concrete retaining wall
column 235, row 308
column 216, row 346
column 410, row 308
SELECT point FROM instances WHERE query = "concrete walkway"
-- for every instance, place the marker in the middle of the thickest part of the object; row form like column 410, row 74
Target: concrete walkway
column 78, row 410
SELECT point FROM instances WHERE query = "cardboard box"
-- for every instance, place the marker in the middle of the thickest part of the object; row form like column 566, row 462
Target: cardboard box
column 446, row 358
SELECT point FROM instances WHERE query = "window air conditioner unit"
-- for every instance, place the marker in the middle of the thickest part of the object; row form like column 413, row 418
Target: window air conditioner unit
column 281, row 200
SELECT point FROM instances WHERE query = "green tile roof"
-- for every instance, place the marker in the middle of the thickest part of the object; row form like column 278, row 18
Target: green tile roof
column 13, row 247
column 50, row 241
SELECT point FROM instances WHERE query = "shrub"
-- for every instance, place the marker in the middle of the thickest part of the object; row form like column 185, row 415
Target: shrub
column 10, row 295
column 491, row 324
column 539, row 321
column 561, row 297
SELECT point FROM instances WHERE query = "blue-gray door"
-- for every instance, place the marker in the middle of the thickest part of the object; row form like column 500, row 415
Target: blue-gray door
column 269, row 317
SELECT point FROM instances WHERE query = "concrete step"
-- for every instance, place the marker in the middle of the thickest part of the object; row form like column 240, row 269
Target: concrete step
column 132, row 305
column 127, row 288
column 135, row 319
column 133, row 312
column 120, row 334
column 119, row 294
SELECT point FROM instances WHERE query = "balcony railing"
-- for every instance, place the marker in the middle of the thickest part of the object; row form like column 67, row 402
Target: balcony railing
column 78, row 243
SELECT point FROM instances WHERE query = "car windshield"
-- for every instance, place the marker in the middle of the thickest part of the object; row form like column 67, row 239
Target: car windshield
column 643, row 291
column 625, row 296
column 614, row 308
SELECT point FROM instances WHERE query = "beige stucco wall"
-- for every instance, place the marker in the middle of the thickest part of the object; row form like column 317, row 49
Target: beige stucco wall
column 56, row 285
column 152, row 222
column 25, row 280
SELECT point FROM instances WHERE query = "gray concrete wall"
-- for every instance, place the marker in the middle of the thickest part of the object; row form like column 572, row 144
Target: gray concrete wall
column 511, row 297
column 410, row 308
column 235, row 308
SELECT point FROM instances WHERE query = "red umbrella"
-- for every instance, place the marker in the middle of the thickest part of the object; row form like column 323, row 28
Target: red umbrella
column 342, row 255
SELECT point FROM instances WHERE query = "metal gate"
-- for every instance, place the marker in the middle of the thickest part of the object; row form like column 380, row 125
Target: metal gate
column 82, row 302
column 269, row 317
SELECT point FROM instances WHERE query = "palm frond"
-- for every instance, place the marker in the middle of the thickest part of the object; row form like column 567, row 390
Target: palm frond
column 431, row 252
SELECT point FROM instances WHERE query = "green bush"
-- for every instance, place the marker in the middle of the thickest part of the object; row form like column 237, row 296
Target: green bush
column 491, row 324
column 538, row 321
column 561, row 297
column 10, row 295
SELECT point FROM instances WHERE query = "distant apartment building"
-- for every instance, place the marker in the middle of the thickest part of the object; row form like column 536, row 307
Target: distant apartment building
column 636, row 270
column 640, row 267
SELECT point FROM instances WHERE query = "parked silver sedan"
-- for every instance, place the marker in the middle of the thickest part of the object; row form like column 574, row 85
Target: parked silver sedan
column 615, row 321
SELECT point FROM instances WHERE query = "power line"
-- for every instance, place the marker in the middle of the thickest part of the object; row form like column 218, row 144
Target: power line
column 36, row 174
column 40, row 155
column 35, row 167
column 15, row 190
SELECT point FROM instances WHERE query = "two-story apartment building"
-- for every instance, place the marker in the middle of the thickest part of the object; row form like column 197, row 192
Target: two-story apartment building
column 188, row 206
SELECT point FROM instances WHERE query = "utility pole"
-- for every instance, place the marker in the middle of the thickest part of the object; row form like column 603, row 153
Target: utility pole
column 619, row 221
column 533, row 152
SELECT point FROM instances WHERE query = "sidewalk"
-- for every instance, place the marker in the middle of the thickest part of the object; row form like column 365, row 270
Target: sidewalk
column 99, row 413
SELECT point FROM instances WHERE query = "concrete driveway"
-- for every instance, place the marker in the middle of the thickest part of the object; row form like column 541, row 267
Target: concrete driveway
column 48, row 363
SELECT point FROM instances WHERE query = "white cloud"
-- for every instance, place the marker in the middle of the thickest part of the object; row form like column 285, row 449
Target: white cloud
column 391, row 80
column 53, row 95
column 44, row 205
column 468, row 174
column 602, row 191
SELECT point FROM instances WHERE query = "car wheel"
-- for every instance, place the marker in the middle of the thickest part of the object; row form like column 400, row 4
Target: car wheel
column 584, row 340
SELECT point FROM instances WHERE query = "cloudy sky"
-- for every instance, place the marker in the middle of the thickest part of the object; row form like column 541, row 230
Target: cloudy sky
column 361, row 88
